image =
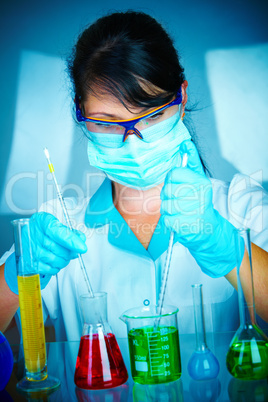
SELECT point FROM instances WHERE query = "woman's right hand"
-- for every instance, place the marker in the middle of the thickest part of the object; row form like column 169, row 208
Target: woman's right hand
column 53, row 246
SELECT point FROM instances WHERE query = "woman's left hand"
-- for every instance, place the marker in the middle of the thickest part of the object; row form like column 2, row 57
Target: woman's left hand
column 187, row 209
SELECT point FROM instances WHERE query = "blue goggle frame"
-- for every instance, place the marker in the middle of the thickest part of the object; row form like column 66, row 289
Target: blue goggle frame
column 129, row 123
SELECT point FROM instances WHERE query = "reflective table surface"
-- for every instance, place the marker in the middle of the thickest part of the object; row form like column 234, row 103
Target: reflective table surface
column 61, row 358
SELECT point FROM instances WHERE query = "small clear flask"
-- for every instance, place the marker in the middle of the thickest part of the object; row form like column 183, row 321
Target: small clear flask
column 247, row 357
column 99, row 364
column 203, row 365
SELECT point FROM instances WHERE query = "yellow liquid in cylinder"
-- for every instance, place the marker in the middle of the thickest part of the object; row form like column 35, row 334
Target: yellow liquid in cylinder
column 33, row 332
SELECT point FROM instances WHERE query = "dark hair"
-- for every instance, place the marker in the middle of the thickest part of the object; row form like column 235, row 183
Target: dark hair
column 128, row 55
column 123, row 54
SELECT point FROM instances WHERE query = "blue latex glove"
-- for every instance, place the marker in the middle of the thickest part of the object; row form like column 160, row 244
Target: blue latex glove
column 53, row 246
column 187, row 209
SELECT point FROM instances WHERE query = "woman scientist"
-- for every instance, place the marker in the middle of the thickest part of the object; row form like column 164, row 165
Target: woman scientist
column 130, row 98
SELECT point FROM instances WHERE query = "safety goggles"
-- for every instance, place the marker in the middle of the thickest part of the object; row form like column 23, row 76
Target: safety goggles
column 125, row 127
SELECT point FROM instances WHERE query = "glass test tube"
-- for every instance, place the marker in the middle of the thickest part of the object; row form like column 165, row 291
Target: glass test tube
column 31, row 312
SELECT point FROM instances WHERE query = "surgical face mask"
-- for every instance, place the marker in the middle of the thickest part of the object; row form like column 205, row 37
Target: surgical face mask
column 139, row 164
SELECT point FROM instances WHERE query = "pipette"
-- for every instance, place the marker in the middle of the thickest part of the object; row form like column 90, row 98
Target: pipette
column 67, row 218
column 168, row 257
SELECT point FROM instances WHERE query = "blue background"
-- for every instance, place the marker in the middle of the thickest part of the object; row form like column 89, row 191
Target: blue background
column 224, row 49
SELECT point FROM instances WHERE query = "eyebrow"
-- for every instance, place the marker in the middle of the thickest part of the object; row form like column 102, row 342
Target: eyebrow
column 102, row 115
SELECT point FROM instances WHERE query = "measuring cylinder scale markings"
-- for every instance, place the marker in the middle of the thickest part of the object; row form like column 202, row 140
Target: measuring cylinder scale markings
column 32, row 325
column 153, row 344
column 31, row 313
column 155, row 354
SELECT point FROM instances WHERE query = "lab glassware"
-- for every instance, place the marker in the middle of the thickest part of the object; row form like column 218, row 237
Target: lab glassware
column 168, row 257
column 248, row 391
column 206, row 390
column 31, row 313
column 247, row 357
column 99, row 364
column 118, row 394
column 166, row 392
column 203, row 364
column 153, row 341
column 67, row 219
column 6, row 361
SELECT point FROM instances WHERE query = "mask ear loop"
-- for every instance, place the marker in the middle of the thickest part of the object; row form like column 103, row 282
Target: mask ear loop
column 182, row 112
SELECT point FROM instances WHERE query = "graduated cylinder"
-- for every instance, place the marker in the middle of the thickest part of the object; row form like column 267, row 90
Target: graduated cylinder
column 31, row 313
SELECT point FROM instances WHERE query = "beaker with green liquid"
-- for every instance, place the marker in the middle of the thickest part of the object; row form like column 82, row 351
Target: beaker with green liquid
column 31, row 314
column 153, row 341
column 247, row 357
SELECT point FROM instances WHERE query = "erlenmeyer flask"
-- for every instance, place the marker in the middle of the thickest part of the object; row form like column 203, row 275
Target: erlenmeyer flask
column 247, row 356
column 99, row 362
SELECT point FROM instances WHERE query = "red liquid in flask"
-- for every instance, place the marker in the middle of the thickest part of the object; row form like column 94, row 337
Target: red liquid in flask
column 99, row 363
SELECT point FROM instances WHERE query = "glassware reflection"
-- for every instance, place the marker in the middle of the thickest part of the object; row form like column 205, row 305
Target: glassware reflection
column 119, row 394
column 205, row 391
column 168, row 392
column 248, row 391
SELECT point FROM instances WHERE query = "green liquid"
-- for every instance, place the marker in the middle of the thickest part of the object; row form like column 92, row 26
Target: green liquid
column 248, row 360
column 154, row 355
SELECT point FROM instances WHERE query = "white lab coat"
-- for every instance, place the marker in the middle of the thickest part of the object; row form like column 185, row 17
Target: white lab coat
column 118, row 264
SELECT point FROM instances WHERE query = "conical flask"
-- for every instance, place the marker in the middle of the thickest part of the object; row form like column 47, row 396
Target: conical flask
column 247, row 356
column 99, row 364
